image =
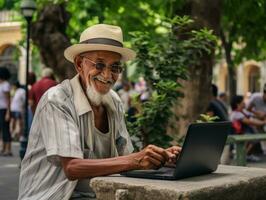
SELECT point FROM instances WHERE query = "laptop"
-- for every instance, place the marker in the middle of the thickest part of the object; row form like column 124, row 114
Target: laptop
column 201, row 153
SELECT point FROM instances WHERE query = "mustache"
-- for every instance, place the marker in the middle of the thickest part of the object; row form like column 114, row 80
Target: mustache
column 100, row 78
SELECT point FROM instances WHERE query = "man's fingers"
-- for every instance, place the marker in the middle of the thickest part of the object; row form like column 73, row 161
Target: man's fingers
column 174, row 149
column 160, row 151
column 171, row 155
column 156, row 155
column 154, row 162
column 177, row 148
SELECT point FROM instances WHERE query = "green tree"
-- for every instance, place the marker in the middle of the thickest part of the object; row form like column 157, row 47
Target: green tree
column 242, row 34
column 237, row 27
column 197, row 90
column 164, row 62
column 52, row 32
column 59, row 24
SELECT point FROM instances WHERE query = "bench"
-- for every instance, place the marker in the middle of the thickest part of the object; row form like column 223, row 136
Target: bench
column 240, row 141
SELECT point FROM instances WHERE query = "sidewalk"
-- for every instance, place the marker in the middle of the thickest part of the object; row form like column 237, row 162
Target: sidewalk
column 9, row 175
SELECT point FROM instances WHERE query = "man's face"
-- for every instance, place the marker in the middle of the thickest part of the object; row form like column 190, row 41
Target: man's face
column 101, row 79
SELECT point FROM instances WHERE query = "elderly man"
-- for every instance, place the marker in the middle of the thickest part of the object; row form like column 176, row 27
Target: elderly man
column 78, row 130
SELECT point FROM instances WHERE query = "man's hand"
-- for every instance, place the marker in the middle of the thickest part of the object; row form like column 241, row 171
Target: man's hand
column 153, row 157
column 176, row 151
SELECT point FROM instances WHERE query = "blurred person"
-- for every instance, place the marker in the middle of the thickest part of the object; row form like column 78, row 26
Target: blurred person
column 141, row 86
column 247, row 97
column 216, row 107
column 222, row 97
column 219, row 107
column 17, row 110
column 142, row 89
column 31, row 79
column 5, row 111
column 79, row 130
column 126, row 94
column 257, row 106
column 239, row 114
column 40, row 87
column 119, row 84
column 243, row 123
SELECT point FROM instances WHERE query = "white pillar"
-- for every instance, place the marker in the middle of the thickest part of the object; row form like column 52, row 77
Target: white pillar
column 262, row 74
column 22, row 66
column 240, row 80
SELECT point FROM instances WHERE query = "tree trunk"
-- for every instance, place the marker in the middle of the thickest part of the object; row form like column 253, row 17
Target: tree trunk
column 227, row 45
column 232, row 80
column 49, row 34
column 197, row 90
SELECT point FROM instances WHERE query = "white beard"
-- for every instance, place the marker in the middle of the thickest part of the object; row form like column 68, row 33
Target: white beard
column 95, row 97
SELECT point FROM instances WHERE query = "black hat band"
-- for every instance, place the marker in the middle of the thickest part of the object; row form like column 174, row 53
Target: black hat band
column 105, row 41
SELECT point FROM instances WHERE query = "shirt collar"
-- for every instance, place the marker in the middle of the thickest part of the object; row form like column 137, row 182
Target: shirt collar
column 109, row 102
column 81, row 102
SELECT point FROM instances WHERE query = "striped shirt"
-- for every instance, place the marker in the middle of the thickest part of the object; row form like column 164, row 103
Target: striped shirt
column 62, row 127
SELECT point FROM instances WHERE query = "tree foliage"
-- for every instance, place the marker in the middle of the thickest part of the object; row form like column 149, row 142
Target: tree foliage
column 164, row 62
column 242, row 34
column 244, row 26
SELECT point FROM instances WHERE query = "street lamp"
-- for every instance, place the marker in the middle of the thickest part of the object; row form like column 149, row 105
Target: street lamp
column 27, row 9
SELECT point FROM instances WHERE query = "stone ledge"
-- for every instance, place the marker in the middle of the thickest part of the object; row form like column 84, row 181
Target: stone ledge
column 227, row 183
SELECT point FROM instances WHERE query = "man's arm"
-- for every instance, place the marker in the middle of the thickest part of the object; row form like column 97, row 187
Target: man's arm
column 250, row 107
column 254, row 122
column 259, row 114
column 149, row 158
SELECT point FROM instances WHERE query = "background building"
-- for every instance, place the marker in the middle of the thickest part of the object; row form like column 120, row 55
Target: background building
column 12, row 55
column 251, row 76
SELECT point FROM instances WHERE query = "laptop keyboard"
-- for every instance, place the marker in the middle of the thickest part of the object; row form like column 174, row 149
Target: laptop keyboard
column 162, row 170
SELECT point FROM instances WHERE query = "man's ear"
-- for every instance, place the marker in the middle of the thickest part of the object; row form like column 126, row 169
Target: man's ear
column 78, row 63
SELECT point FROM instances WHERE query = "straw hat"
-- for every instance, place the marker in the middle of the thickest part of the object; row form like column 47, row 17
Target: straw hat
column 100, row 37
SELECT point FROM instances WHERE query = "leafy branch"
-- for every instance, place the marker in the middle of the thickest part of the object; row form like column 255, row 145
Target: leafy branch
column 164, row 61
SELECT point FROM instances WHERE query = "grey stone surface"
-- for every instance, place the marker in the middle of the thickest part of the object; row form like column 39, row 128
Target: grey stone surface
column 227, row 183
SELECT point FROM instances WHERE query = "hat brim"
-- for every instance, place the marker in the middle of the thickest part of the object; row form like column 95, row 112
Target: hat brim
column 71, row 52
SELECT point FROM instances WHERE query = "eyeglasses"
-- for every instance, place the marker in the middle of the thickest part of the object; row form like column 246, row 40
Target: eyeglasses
column 115, row 68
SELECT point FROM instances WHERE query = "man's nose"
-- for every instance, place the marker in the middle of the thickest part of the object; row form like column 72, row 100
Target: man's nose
column 107, row 73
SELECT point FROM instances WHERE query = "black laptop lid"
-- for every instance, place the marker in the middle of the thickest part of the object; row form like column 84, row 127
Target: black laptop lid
column 202, row 148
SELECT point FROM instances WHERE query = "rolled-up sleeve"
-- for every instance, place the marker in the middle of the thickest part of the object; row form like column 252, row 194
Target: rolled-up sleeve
column 60, row 133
